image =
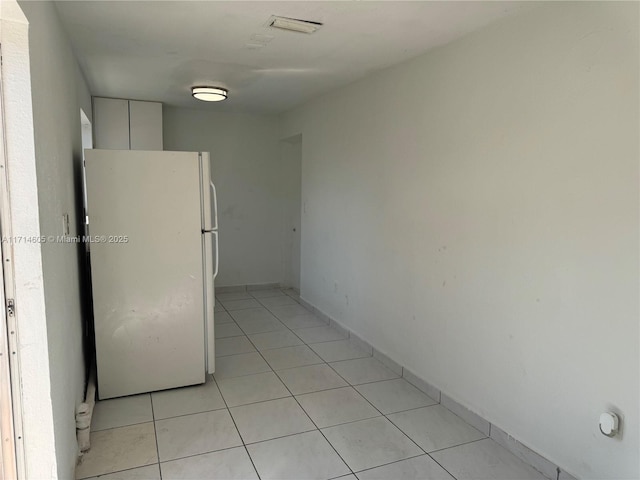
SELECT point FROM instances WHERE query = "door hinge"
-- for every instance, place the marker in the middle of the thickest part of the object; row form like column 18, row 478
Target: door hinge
column 11, row 307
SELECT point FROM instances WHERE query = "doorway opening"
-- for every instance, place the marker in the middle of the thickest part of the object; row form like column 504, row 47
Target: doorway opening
column 291, row 156
column 88, row 331
column 87, row 142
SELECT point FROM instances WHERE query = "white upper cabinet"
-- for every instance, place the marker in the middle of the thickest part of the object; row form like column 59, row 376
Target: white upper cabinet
column 127, row 124
column 145, row 125
column 111, row 123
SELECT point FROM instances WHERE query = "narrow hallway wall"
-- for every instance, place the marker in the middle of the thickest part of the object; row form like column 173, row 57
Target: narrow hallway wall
column 473, row 213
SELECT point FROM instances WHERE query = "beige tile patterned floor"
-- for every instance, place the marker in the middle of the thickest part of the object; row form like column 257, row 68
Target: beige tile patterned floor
column 291, row 399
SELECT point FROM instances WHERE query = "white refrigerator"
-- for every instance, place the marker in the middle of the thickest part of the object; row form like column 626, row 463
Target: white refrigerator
column 154, row 257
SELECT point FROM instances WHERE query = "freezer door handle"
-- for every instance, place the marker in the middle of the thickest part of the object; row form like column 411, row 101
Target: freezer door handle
column 215, row 206
column 215, row 272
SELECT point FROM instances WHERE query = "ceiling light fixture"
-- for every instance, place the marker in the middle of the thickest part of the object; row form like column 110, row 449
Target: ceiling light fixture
column 294, row 24
column 209, row 94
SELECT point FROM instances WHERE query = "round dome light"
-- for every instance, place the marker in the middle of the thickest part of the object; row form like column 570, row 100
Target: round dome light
column 209, row 94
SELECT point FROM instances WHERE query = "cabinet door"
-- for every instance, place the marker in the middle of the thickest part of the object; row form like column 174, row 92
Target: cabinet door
column 111, row 123
column 145, row 125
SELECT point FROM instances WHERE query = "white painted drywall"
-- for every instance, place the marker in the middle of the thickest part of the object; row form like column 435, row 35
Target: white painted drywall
column 58, row 93
column 246, row 166
column 474, row 212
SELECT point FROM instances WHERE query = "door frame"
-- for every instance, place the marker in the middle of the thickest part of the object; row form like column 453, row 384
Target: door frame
column 12, row 463
column 33, row 416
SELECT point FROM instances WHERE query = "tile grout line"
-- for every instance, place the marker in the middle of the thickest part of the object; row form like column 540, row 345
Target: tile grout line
column 316, row 353
column 225, row 449
column 206, row 411
column 362, row 396
column 120, row 471
column 299, row 433
column 381, row 414
column 155, row 434
column 438, row 450
column 269, row 309
column 189, row 414
column 326, row 363
column 319, row 429
column 244, row 445
column 363, row 383
column 459, row 445
column 303, row 410
column 280, row 436
column 353, row 387
column 408, row 409
column 440, row 393
column 391, row 463
column 348, row 384
column 308, row 345
column 441, row 466
column 350, row 421
column 310, row 419
column 154, row 420
column 279, row 320
column 290, row 329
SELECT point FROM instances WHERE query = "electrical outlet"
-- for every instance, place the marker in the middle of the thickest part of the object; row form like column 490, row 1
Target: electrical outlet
column 65, row 224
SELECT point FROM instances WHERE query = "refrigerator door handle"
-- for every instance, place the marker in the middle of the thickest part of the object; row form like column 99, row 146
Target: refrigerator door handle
column 215, row 272
column 215, row 206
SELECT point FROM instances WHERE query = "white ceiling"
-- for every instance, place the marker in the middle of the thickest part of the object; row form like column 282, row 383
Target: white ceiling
column 152, row 50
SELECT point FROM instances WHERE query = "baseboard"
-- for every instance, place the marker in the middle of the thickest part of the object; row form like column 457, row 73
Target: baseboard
column 421, row 384
column 231, row 289
column 526, row 454
column 263, row 286
column 249, row 287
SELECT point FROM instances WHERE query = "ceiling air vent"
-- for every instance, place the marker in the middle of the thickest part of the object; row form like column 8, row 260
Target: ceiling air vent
column 293, row 24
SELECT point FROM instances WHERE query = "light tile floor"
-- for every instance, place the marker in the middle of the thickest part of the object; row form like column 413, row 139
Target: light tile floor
column 291, row 399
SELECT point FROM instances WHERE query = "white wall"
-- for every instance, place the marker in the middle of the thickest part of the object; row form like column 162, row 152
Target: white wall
column 247, row 170
column 58, row 93
column 473, row 213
